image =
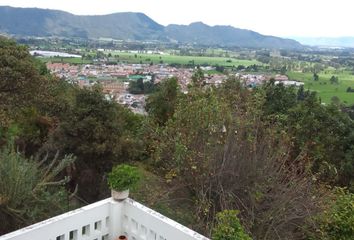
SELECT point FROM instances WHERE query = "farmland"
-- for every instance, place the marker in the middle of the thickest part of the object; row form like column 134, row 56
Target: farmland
column 301, row 67
column 324, row 88
column 128, row 57
column 183, row 60
column 66, row 60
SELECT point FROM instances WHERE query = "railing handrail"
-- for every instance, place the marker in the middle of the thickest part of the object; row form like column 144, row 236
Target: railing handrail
column 104, row 210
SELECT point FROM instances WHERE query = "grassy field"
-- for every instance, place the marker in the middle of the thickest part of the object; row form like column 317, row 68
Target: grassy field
column 127, row 57
column 66, row 60
column 170, row 59
column 325, row 89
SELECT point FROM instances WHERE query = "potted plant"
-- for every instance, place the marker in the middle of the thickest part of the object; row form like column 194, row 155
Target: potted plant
column 122, row 178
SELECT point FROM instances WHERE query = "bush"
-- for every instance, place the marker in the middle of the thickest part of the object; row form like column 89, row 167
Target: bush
column 30, row 191
column 229, row 227
column 123, row 177
column 337, row 223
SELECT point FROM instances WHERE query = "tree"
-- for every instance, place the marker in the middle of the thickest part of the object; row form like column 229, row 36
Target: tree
column 279, row 98
column 30, row 97
column 327, row 135
column 220, row 148
column 334, row 80
column 283, row 70
column 335, row 100
column 219, row 68
column 141, row 87
column 95, row 132
column 136, row 87
column 47, row 115
column 316, row 77
column 240, row 67
column 19, row 79
column 301, row 94
column 198, row 78
column 324, row 132
column 30, row 190
column 161, row 104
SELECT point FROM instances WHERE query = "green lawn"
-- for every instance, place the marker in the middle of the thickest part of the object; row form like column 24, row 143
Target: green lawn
column 325, row 89
column 127, row 57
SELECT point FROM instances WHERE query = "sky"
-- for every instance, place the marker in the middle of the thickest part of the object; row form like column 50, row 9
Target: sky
column 284, row 18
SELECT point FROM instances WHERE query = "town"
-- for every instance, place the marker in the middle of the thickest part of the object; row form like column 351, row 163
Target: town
column 115, row 79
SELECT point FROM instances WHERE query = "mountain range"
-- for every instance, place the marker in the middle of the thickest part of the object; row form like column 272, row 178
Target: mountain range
column 37, row 22
column 327, row 41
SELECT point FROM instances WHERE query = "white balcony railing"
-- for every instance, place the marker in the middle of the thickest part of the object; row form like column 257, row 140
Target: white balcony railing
column 106, row 220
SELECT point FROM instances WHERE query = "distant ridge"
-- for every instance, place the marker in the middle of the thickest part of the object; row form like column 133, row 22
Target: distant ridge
column 327, row 41
column 129, row 26
column 226, row 35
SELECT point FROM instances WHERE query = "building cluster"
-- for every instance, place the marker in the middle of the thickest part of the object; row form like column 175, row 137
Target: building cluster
column 115, row 79
column 253, row 80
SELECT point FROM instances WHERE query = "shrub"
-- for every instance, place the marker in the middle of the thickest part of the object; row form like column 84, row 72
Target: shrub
column 123, row 177
column 30, row 189
column 337, row 223
column 229, row 227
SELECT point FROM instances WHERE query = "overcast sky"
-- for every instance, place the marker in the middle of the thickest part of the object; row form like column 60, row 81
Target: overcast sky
column 285, row 18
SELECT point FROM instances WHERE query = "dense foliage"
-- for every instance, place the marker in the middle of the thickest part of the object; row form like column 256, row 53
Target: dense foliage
column 274, row 153
column 29, row 189
column 19, row 80
column 324, row 132
column 141, row 87
column 337, row 221
column 218, row 146
column 45, row 116
column 161, row 104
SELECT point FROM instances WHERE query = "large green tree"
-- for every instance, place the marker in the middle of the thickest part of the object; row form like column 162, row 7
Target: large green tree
column 99, row 133
column 161, row 104
column 93, row 130
column 20, row 81
column 30, row 97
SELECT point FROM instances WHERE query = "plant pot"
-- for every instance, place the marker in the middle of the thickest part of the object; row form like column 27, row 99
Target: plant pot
column 120, row 195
